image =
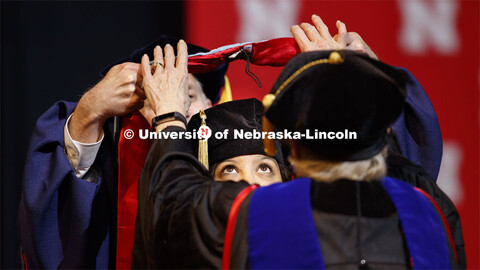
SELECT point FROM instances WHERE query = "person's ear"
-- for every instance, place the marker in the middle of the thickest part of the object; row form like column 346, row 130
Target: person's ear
column 209, row 103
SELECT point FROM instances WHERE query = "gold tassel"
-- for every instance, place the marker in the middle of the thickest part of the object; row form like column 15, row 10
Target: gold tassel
column 203, row 144
column 226, row 93
column 268, row 144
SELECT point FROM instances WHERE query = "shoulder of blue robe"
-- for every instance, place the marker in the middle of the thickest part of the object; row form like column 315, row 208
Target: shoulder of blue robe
column 55, row 211
column 417, row 129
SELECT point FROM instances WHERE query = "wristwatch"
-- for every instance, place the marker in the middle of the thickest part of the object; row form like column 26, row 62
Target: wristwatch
column 168, row 117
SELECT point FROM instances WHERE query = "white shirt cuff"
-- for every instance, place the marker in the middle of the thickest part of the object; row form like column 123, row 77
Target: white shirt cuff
column 81, row 155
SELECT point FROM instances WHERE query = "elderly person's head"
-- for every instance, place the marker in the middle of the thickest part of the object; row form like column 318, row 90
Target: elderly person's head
column 346, row 101
column 236, row 158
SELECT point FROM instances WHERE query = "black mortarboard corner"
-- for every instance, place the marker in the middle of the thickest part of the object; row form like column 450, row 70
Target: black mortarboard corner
column 212, row 81
column 334, row 91
column 243, row 115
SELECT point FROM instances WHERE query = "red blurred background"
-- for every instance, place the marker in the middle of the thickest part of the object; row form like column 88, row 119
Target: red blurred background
column 437, row 40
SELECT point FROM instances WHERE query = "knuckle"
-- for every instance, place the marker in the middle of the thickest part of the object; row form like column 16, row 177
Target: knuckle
column 308, row 48
column 114, row 69
column 131, row 77
column 129, row 66
column 122, row 68
column 130, row 88
column 132, row 65
column 308, row 26
column 358, row 47
column 123, row 65
column 354, row 35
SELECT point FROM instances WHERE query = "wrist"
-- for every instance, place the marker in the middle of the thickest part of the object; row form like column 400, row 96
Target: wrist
column 169, row 124
column 89, row 109
column 169, row 109
column 86, row 124
column 83, row 130
column 168, row 118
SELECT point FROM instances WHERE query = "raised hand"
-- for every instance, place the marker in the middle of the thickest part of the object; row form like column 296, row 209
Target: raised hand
column 355, row 43
column 314, row 38
column 167, row 88
column 118, row 93
column 317, row 37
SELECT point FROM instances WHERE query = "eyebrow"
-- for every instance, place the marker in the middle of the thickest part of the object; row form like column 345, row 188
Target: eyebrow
column 266, row 158
column 230, row 160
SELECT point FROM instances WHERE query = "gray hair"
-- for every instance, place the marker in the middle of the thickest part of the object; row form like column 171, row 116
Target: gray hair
column 328, row 171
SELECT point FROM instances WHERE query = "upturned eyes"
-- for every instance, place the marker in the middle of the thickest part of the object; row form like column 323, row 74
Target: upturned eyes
column 264, row 168
column 229, row 169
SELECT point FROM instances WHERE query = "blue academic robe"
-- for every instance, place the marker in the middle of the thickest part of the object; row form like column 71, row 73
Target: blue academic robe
column 417, row 129
column 65, row 221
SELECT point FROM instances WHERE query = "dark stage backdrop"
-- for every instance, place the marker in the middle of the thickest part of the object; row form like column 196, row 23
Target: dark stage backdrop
column 53, row 51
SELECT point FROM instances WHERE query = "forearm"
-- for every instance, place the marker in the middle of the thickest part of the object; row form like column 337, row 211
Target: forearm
column 86, row 122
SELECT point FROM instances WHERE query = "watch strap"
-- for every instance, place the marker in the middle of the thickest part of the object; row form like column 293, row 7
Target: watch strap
column 168, row 117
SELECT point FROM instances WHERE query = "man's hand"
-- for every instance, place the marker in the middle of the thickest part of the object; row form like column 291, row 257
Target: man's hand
column 313, row 38
column 317, row 37
column 118, row 93
column 167, row 88
column 356, row 43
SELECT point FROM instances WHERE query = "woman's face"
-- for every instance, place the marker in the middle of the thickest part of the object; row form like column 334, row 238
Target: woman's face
column 255, row 169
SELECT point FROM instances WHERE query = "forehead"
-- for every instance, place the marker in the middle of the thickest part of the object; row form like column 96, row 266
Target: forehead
column 250, row 158
column 193, row 83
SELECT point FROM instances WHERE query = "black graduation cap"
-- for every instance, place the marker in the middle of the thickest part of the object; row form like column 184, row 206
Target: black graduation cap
column 211, row 81
column 329, row 91
column 241, row 115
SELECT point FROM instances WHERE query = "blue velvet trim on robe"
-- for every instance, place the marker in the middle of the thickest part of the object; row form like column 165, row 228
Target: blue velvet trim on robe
column 421, row 225
column 277, row 242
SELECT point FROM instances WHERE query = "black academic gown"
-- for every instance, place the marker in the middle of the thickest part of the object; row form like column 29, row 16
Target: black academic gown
column 182, row 212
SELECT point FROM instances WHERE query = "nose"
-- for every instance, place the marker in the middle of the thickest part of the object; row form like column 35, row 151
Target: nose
column 250, row 177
